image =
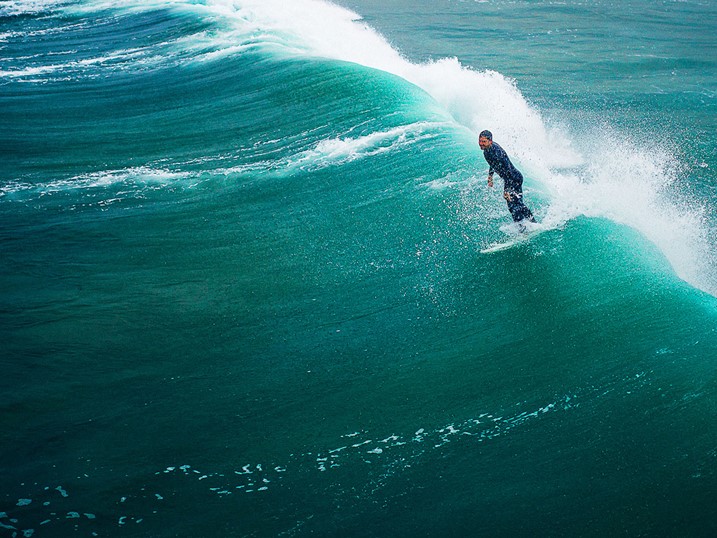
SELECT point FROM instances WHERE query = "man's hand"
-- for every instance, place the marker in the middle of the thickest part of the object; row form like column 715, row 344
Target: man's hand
column 490, row 181
column 507, row 196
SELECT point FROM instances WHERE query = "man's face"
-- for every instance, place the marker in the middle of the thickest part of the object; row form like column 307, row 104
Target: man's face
column 484, row 142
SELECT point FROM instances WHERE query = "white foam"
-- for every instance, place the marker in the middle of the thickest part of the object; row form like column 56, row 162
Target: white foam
column 337, row 151
column 636, row 183
column 114, row 60
column 11, row 8
column 98, row 180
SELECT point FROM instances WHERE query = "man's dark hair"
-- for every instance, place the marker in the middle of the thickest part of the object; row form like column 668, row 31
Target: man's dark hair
column 486, row 134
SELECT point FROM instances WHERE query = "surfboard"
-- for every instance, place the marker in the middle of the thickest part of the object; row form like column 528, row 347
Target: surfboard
column 514, row 240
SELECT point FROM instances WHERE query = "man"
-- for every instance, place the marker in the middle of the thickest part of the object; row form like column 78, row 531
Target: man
column 499, row 162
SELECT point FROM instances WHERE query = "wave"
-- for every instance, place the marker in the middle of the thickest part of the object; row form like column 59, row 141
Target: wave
column 612, row 175
column 593, row 169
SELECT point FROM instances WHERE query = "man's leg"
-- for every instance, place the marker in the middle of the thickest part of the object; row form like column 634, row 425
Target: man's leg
column 518, row 210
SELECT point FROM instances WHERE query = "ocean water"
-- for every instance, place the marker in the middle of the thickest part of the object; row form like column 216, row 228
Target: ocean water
column 241, row 287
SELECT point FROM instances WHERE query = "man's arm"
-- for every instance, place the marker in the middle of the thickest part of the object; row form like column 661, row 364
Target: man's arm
column 490, row 177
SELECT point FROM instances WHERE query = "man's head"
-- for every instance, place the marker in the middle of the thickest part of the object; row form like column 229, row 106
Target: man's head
column 485, row 139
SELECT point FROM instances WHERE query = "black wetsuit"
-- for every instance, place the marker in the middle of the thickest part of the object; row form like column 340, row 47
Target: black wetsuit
column 512, row 181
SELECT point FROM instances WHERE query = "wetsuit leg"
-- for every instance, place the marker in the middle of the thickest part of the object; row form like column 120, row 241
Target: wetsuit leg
column 518, row 210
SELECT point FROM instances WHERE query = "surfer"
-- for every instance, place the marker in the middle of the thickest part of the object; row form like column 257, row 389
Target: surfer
column 499, row 162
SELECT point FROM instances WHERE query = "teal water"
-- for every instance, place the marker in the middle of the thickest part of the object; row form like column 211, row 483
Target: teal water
column 241, row 287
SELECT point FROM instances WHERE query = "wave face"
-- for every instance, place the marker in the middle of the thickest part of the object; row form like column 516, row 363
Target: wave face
column 242, row 290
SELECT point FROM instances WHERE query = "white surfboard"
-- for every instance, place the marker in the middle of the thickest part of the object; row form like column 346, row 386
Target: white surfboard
column 516, row 239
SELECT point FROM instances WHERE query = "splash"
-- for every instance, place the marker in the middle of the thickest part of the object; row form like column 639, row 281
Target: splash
column 633, row 181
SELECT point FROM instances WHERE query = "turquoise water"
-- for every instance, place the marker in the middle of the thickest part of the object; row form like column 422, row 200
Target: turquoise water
column 241, row 287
